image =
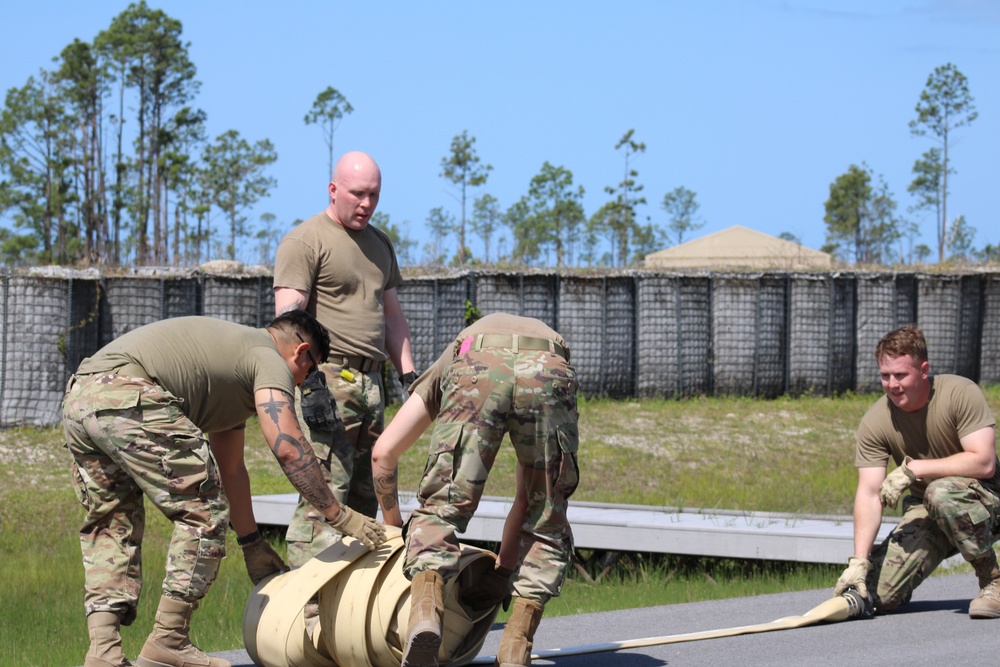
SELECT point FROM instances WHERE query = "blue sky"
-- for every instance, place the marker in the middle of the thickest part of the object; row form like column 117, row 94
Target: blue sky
column 757, row 106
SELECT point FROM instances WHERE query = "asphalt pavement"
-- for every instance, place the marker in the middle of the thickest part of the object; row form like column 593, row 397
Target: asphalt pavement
column 933, row 629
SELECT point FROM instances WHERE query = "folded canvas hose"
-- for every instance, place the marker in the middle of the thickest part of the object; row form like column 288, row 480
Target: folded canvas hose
column 364, row 604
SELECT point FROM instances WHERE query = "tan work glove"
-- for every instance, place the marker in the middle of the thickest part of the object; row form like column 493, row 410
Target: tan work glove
column 899, row 480
column 854, row 576
column 366, row 530
column 262, row 561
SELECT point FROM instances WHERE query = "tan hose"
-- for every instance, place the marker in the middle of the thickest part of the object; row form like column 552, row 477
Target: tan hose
column 364, row 603
column 832, row 611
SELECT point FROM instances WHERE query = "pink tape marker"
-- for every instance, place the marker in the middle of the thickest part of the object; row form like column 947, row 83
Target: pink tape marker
column 466, row 345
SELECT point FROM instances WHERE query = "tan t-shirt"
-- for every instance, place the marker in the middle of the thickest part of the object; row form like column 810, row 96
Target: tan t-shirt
column 955, row 409
column 212, row 365
column 345, row 273
column 428, row 385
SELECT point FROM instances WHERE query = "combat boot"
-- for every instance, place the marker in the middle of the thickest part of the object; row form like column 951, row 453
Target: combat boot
column 987, row 603
column 105, row 641
column 168, row 644
column 426, row 615
column 519, row 635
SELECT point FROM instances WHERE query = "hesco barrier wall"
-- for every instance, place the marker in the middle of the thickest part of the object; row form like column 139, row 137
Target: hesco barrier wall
column 631, row 335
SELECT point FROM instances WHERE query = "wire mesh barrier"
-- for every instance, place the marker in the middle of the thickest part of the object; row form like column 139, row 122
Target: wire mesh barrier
column 989, row 350
column 635, row 334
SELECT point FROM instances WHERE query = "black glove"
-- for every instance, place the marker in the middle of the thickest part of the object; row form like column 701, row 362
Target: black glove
column 262, row 561
column 319, row 408
column 493, row 588
column 407, row 380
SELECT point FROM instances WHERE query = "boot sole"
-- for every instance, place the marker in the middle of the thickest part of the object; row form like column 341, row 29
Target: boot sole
column 422, row 649
column 146, row 662
column 985, row 613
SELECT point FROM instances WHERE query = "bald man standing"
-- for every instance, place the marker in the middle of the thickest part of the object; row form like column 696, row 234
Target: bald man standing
column 341, row 269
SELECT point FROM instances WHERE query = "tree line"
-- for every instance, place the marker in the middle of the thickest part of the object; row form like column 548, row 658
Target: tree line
column 104, row 160
column 862, row 216
column 81, row 189
column 548, row 225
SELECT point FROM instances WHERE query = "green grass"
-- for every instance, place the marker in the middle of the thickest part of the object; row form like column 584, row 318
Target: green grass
column 785, row 455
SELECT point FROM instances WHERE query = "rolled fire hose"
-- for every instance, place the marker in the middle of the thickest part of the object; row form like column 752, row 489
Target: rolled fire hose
column 849, row 605
column 364, row 606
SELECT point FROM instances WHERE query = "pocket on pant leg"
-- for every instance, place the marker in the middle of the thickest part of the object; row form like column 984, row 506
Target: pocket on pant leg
column 439, row 472
column 187, row 471
column 568, row 471
column 189, row 576
column 79, row 485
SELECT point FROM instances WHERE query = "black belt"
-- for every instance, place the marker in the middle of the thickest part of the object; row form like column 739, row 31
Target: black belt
column 363, row 364
column 516, row 343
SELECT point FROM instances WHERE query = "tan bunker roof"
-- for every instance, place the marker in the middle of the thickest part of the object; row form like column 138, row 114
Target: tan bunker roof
column 738, row 247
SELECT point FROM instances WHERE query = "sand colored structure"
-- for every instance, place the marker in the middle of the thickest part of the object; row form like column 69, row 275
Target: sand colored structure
column 736, row 248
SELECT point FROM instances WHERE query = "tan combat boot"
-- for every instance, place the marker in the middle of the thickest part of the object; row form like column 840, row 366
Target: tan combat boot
column 426, row 615
column 519, row 635
column 105, row 641
column 987, row 603
column 168, row 645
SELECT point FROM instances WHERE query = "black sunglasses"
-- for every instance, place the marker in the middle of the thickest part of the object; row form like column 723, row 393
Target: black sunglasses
column 308, row 353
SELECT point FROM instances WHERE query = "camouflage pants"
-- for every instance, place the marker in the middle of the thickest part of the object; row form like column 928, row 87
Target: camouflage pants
column 957, row 515
column 486, row 393
column 343, row 447
column 129, row 439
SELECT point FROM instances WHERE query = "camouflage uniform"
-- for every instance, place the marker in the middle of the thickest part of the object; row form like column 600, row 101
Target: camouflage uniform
column 956, row 515
column 941, row 517
column 343, row 446
column 346, row 274
column 129, row 439
column 484, row 394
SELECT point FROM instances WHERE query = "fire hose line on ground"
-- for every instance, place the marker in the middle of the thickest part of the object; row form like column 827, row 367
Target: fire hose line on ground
column 364, row 603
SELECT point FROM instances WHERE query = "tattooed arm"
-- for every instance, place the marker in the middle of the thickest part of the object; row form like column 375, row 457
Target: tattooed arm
column 404, row 430
column 276, row 410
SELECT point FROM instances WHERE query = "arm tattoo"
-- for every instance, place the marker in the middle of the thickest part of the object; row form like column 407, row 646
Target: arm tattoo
column 295, row 455
column 305, row 474
column 386, row 488
column 275, row 405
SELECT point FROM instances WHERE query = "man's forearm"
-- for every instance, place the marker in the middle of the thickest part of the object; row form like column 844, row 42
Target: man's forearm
column 306, row 475
column 397, row 346
column 867, row 521
column 276, row 412
column 387, row 491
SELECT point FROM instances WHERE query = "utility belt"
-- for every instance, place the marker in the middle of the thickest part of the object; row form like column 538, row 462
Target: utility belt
column 516, row 343
column 363, row 364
